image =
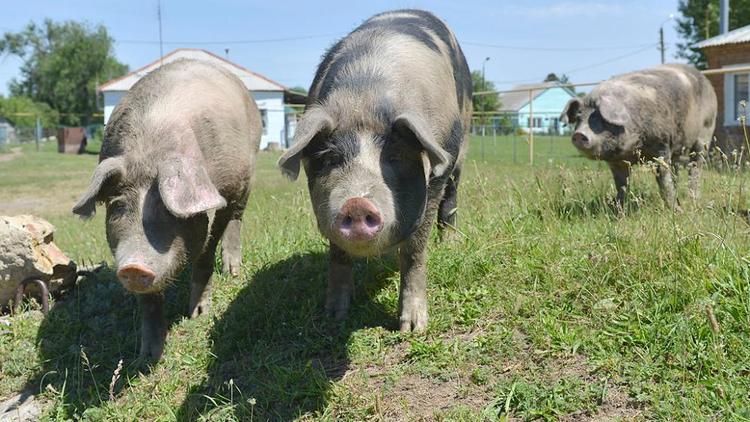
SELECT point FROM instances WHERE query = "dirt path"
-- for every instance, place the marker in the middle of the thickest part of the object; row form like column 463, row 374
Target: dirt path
column 14, row 152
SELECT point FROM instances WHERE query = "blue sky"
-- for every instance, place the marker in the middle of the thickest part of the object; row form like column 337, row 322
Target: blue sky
column 536, row 36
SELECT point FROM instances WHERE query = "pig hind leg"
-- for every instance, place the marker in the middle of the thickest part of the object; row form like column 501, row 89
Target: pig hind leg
column 231, row 247
column 664, row 177
column 621, row 174
column 153, row 326
column 449, row 204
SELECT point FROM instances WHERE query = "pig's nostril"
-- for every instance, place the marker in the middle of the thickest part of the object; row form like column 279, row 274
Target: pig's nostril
column 346, row 222
column 371, row 220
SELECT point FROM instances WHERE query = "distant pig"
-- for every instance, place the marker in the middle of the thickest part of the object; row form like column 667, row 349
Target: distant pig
column 382, row 141
column 174, row 173
column 659, row 113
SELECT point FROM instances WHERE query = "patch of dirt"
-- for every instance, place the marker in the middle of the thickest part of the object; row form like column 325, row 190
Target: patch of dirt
column 14, row 153
column 24, row 205
column 20, row 408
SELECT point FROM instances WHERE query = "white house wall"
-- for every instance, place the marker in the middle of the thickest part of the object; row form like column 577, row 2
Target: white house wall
column 271, row 101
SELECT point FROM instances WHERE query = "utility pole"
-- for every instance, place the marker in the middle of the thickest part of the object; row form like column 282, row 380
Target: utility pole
column 161, row 45
column 723, row 16
column 661, row 43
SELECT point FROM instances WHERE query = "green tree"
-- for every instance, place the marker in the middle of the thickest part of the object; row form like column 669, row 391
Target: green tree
column 487, row 102
column 62, row 64
column 699, row 20
column 299, row 88
column 23, row 111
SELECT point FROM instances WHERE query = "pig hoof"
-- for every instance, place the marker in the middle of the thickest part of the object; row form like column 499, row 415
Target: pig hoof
column 231, row 267
column 338, row 308
column 151, row 351
column 202, row 307
column 413, row 319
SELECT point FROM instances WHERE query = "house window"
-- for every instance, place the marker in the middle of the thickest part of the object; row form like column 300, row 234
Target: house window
column 537, row 121
column 264, row 120
column 740, row 94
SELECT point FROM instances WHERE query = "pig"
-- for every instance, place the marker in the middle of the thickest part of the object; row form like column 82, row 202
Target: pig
column 659, row 114
column 174, row 172
column 382, row 141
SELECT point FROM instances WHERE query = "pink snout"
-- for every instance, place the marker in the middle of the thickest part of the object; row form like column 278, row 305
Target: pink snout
column 359, row 220
column 136, row 277
column 580, row 140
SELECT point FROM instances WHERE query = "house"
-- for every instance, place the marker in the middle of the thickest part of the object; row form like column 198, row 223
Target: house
column 547, row 100
column 7, row 132
column 272, row 98
column 728, row 57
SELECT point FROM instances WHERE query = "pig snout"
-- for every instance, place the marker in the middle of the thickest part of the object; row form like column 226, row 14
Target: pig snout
column 580, row 140
column 136, row 277
column 359, row 220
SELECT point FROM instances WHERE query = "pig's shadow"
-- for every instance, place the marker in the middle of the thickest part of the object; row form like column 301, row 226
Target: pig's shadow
column 274, row 351
column 85, row 335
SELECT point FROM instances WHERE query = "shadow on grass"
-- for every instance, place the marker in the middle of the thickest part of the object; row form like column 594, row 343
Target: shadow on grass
column 84, row 336
column 275, row 353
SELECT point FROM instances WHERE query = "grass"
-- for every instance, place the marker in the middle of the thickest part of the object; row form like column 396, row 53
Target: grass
column 550, row 307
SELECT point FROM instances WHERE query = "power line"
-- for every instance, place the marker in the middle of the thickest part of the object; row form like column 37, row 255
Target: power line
column 590, row 66
column 562, row 49
column 226, row 42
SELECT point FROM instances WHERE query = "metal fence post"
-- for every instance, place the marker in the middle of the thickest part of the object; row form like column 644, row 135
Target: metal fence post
column 531, row 127
column 481, row 143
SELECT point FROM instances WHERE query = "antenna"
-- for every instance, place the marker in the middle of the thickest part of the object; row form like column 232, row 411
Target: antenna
column 161, row 44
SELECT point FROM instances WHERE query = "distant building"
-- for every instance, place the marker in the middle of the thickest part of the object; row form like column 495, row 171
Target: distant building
column 727, row 51
column 7, row 132
column 549, row 99
column 272, row 98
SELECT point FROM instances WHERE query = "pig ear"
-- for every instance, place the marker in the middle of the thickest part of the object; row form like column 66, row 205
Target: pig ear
column 413, row 124
column 614, row 110
column 108, row 169
column 186, row 189
column 315, row 121
column 570, row 112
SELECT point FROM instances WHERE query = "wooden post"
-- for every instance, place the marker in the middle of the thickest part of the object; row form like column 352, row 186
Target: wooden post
column 531, row 127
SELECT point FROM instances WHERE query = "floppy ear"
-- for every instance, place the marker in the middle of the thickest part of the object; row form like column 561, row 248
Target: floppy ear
column 108, row 170
column 315, row 121
column 570, row 112
column 411, row 124
column 185, row 187
column 614, row 110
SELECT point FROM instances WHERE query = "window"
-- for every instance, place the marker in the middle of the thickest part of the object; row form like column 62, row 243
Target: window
column 537, row 122
column 264, row 120
column 740, row 94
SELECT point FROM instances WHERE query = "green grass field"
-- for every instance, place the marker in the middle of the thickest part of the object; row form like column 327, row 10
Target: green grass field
column 549, row 307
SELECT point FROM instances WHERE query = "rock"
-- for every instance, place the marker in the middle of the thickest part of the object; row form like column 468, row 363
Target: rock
column 20, row 408
column 27, row 250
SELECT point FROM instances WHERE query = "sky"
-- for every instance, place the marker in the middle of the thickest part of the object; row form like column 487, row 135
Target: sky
column 589, row 40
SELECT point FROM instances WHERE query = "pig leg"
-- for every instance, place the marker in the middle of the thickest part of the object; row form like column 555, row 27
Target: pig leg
column 694, row 173
column 340, row 283
column 449, row 204
column 621, row 174
column 231, row 247
column 413, row 266
column 153, row 326
column 666, row 184
column 203, row 269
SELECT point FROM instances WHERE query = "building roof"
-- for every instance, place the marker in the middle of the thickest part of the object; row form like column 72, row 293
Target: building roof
column 518, row 96
column 737, row 36
column 252, row 80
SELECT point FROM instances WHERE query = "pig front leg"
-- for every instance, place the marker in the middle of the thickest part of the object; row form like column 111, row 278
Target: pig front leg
column 200, row 283
column 231, row 248
column 621, row 174
column 153, row 326
column 694, row 173
column 340, row 283
column 413, row 266
column 666, row 183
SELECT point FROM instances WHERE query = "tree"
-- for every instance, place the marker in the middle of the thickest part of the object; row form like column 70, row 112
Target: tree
column 699, row 20
column 484, row 103
column 62, row 64
column 299, row 88
column 552, row 77
column 23, row 111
